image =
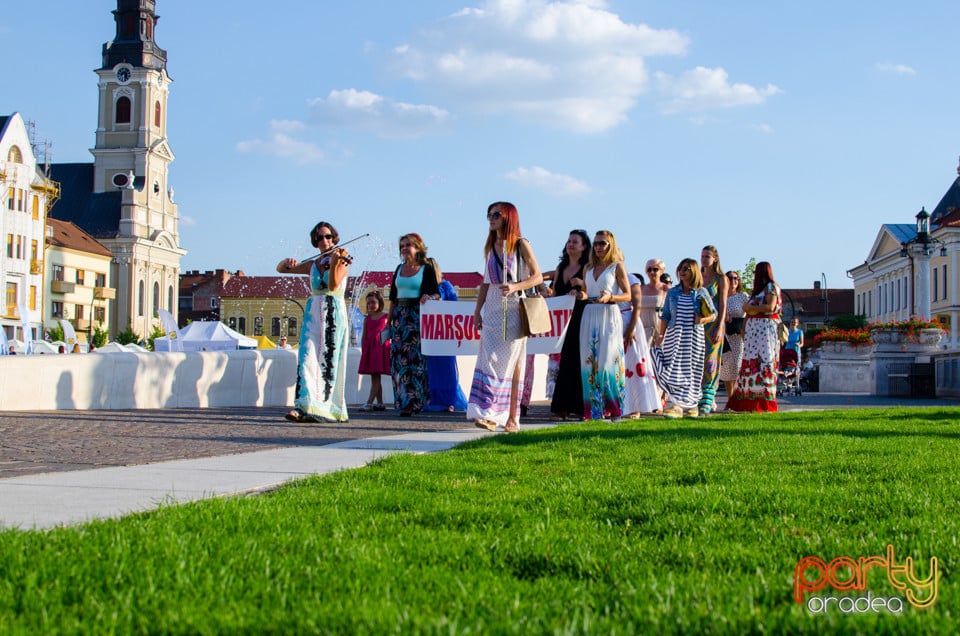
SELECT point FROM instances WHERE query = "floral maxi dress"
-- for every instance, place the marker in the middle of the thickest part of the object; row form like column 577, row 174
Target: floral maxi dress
column 756, row 388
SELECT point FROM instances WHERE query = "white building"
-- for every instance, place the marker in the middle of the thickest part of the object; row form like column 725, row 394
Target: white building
column 911, row 270
column 27, row 197
column 124, row 198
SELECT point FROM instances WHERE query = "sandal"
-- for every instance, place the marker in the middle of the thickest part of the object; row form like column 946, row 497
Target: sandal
column 487, row 425
column 296, row 415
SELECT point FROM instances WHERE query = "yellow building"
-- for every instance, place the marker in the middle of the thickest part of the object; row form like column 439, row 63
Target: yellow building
column 265, row 305
column 77, row 279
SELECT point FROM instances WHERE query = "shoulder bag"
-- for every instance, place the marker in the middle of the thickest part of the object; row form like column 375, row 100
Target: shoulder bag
column 534, row 316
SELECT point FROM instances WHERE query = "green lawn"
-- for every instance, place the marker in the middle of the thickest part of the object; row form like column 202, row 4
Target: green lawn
column 691, row 526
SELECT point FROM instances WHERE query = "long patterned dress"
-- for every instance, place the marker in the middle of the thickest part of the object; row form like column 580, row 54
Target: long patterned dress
column 756, row 388
column 642, row 395
column 602, row 370
column 678, row 361
column 730, row 364
column 498, row 357
column 323, row 352
column 408, row 366
column 712, row 352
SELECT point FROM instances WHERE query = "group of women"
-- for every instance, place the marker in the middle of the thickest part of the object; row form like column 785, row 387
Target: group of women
column 631, row 347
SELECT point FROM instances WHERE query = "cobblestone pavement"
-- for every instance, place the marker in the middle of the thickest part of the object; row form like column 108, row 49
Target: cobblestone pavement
column 51, row 441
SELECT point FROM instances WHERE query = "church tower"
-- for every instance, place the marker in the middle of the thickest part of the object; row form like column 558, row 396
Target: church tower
column 132, row 157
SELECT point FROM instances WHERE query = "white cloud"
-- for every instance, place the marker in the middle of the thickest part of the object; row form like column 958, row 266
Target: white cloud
column 766, row 129
column 187, row 220
column 708, row 88
column 281, row 144
column 898, row 69
column 542, row 179
column 572, row 64
column 381, row 115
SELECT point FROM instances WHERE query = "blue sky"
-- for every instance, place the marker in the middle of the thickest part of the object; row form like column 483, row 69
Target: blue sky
column 784, row 131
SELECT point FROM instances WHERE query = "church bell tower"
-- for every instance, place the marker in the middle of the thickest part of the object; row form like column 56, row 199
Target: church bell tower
column 132, row 156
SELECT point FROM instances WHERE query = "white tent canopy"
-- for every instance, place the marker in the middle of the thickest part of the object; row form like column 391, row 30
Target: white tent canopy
column 205, row 335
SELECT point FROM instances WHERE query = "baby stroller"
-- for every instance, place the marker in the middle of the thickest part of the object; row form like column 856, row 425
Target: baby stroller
column 788, row 375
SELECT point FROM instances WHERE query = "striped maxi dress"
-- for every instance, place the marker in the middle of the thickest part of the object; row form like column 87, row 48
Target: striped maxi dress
column 678, row 361
column 498, row 357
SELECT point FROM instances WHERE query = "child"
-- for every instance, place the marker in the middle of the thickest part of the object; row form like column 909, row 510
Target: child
column 374, row 352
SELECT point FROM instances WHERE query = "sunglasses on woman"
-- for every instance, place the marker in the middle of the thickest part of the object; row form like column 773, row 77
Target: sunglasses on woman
column 492, row 216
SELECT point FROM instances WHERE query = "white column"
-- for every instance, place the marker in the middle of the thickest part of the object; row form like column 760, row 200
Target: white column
column 921, row 264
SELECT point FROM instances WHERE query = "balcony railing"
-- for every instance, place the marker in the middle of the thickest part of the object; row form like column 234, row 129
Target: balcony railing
column 62, row 287
column 104, row 293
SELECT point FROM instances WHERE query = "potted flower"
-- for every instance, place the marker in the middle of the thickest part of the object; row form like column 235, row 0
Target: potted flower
column 912, row 331
column 842, row 340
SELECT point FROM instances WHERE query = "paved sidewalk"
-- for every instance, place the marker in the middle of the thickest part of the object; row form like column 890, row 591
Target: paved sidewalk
column 66, row 467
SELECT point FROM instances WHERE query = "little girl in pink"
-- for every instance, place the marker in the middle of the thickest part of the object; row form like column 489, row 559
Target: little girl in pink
column 374, row 352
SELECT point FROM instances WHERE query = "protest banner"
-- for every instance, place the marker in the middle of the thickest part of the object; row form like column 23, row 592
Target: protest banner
column 447, row 328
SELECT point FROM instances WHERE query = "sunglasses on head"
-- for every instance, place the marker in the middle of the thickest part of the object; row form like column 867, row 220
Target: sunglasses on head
column 492, row 216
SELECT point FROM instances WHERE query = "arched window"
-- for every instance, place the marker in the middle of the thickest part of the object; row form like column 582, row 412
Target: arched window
column 258, row 325
column 275, row 326
column 156, row 297
column 15, row 156
column 140, row 298
column 170, row 298
column 292, row 327
column 156, row 114
column 123, row 111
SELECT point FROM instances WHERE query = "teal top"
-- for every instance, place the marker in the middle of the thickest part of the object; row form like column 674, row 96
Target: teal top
column 408, row 287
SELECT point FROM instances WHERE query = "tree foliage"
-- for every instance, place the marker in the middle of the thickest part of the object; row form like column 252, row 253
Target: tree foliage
column 127, row 336
column 848, row 321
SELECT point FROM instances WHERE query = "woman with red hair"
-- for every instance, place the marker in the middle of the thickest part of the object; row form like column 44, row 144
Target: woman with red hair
column 510, row 269
column 756, row 388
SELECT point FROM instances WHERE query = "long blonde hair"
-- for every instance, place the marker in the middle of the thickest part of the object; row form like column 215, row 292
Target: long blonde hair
column 612, row 255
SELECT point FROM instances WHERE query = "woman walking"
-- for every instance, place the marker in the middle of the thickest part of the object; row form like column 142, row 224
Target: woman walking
column 733, row 332
column 756, row 388
column 678, row 354
column 567, row 399
column 642, row 394
column 510, row 268
column 716, row 285
column 414, row 283
column 602, row 369
column 323, row 336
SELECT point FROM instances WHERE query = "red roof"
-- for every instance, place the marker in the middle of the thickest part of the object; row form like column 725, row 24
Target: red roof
column 66, row 234
column 267, row 287
column 460, row 280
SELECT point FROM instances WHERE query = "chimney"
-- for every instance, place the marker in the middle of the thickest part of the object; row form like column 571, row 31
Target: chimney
column 816, row 284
